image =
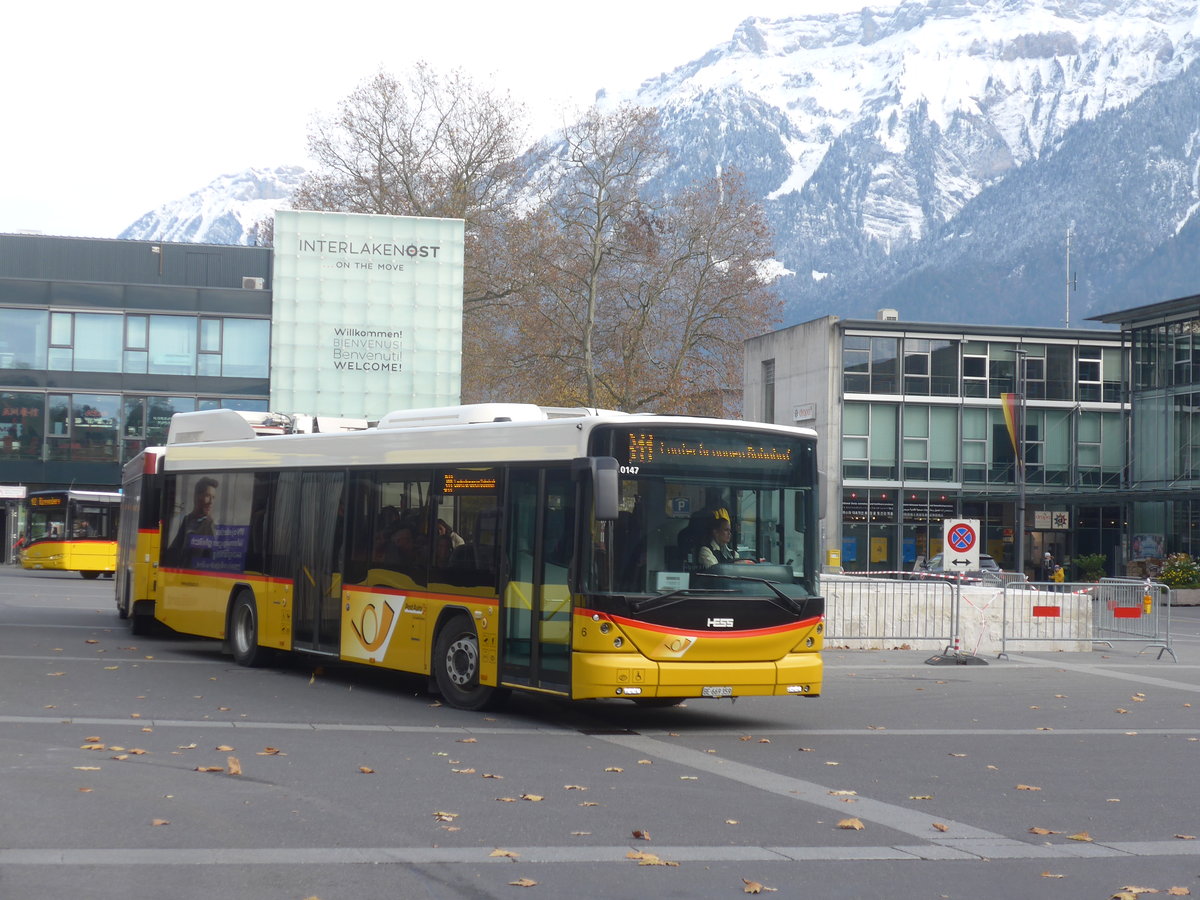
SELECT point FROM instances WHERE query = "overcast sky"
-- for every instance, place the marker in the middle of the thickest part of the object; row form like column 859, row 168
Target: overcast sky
column 111, row 109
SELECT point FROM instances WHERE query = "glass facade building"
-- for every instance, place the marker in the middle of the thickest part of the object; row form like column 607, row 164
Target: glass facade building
column 1164, row 434
column 101, row 342
column 913, row 432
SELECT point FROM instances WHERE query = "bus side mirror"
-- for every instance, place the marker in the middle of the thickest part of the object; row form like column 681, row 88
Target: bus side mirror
column 602, row 471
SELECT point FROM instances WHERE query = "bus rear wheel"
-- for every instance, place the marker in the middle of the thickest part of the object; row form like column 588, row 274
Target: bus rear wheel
column 243, row 631
column 90, row 575
column 456, row 667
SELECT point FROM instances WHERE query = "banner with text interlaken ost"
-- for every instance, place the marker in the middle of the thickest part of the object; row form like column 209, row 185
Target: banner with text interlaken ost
column 366, row 313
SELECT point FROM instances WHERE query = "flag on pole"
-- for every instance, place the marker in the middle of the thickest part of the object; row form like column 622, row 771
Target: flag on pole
column 1011, row 404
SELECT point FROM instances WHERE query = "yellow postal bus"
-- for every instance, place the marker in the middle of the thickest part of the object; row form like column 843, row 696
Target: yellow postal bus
column 73, row 531
column 493, row 547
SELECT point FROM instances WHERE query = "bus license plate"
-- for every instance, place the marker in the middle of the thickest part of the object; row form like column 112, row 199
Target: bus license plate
column 723, row 691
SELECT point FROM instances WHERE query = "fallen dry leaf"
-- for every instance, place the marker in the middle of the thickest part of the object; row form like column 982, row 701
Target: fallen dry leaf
column 843, row 793
column 1178, row 892
column 645, row 762
column 1082, row 836
column 641, row 834
column 1186, row 837
column 1036, row 830
column 463, row 771
column 506, row 799
column 1027, row 787
column 574, row 787
column 755, row 887
column 732, row 822
column 210, row 769
column 490, row 775
column 807, row 749
column 921, row 797
column 523, row 882
column 366, row 770
column 235, row 765
column 93, row 747
column 940, row 826
column 533, row 798
column 87, row 768
column 1052, row 875
column 468, row 740
column 689, row 777
column 764, row 740
column 851, row 825
column 160, row 822
column 507, row 853
column 614, row 769
column 589, row 803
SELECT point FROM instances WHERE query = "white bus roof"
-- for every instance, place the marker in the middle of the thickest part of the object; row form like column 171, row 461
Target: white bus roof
column 446, row 436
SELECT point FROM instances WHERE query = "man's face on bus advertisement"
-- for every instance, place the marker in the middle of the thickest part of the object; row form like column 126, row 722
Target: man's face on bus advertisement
column 204, row 501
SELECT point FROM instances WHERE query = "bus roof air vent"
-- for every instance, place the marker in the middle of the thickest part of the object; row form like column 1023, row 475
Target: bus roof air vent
column 471, row 414
column 208, row 425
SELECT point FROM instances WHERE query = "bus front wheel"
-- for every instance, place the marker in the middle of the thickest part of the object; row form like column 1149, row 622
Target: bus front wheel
column 456, row 667
column 90, row 575
column 243, row 631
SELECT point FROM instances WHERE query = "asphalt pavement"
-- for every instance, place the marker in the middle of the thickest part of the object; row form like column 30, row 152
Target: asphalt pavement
column 153, row 767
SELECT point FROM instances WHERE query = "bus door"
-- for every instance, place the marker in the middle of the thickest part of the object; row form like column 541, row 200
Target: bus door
column 536, row 599
column 319, row 505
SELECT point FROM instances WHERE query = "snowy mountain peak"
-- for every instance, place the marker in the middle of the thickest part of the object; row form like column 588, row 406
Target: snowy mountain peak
column 225, row 211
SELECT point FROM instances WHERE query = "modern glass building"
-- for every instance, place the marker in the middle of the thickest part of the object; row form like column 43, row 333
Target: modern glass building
column 102, row 341
column 1163, row 342
column 913, row 432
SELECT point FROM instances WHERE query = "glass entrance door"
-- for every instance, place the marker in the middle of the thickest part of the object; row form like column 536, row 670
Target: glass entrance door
column 536, row 643
column 318, row 564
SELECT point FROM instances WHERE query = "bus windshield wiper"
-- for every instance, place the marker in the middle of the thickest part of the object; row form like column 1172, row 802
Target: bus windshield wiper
column 658, row 601
column 789, row 603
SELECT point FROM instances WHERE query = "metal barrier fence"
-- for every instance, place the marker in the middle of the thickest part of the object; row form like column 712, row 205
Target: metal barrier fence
column 1131, row 609
column 887, row 609
column 1115, row 609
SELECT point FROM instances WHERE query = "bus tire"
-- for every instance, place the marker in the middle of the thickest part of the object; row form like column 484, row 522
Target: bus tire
column 89, row 575
column 243, row 631
column 456, row 667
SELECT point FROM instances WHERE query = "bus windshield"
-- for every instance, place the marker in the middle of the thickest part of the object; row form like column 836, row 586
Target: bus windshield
column 708, row 509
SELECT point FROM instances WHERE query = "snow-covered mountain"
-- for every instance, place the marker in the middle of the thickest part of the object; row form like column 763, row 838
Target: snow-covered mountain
column 930, row 157
column 226, row 211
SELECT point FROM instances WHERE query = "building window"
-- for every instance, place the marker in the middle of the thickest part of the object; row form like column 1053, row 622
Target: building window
column 1035, row 371
column 975, row 369
column 83, row 427
column 23, row 338
column 856, row 365
column 172, row 345
column 1089, row 374
column 856, row 426
column 869, row 365
column 916, row 366
column 1060, row 372
column 22, row 424
column 136, row 357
